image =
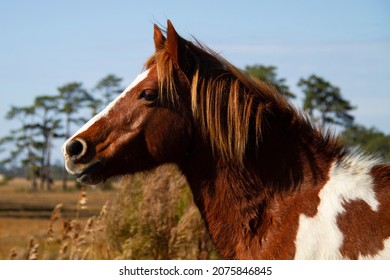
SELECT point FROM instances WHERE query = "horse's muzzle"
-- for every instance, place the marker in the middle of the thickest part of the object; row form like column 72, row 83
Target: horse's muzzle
column 74, row 152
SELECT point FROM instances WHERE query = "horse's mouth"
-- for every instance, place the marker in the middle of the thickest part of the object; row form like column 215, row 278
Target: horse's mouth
column 90, row 175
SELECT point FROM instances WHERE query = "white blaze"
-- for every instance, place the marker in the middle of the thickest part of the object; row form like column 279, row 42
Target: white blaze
column 107, row 110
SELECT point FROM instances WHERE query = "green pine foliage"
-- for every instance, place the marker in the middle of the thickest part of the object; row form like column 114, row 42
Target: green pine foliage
column 370, row 140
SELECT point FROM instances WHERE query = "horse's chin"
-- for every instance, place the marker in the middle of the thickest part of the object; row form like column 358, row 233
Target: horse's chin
column 89, row 179
column 92, row 175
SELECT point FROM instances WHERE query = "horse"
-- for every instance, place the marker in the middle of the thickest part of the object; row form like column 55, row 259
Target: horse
column 269, row 184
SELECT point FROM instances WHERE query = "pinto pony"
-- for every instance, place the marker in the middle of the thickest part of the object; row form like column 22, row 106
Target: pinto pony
column 269, row 184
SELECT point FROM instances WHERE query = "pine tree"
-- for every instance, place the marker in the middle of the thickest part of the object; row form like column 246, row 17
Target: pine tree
column 268, row 73
column 324, row 104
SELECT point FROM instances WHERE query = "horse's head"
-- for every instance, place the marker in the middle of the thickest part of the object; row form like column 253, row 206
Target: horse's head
column 147, row 125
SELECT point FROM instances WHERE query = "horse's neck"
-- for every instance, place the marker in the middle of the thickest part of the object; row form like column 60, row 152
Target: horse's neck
column 235, row 202
column 228, row 207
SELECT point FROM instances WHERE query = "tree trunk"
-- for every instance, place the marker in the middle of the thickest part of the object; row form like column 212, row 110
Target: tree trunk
column 33, row 179
column 42, row 171
column 48, row 162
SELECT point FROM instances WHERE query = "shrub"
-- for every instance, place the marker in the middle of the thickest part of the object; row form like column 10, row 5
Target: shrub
column 154, row 217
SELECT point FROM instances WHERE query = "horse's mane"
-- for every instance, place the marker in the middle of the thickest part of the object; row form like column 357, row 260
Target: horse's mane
column 229, row 104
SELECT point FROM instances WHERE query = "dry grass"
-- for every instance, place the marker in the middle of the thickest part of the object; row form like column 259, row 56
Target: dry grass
column 152, row 216
column 158, row 220
column 28, row 228
column 17, row 200
column 15, row 234
column 59, row 238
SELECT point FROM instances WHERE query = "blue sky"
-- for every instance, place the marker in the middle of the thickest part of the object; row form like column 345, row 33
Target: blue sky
column 45, row 44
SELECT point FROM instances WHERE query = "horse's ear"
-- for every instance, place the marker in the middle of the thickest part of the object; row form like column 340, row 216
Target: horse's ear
column 172, row 44
column 177, row 47
column 159, row 38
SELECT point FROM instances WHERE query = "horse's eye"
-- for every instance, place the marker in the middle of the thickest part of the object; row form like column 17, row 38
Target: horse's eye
column 148, row 95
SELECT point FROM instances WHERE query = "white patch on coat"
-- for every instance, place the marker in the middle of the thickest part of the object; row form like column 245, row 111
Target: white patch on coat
column 319, row 237
column 107, row 110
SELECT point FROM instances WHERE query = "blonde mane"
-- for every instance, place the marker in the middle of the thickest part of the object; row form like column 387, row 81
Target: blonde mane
column 228, row 104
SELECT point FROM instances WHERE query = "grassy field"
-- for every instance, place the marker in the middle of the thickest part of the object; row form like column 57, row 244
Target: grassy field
column 146, row 216
column 26, row 215
column 17, row 200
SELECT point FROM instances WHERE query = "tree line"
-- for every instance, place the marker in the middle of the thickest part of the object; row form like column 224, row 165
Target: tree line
column 51, row 117
column 326, row 106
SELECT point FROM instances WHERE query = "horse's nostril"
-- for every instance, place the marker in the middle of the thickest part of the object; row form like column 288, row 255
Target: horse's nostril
column 76, row 147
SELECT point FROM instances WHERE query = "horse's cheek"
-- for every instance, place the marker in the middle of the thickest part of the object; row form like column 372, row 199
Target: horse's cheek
column 167, row 137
